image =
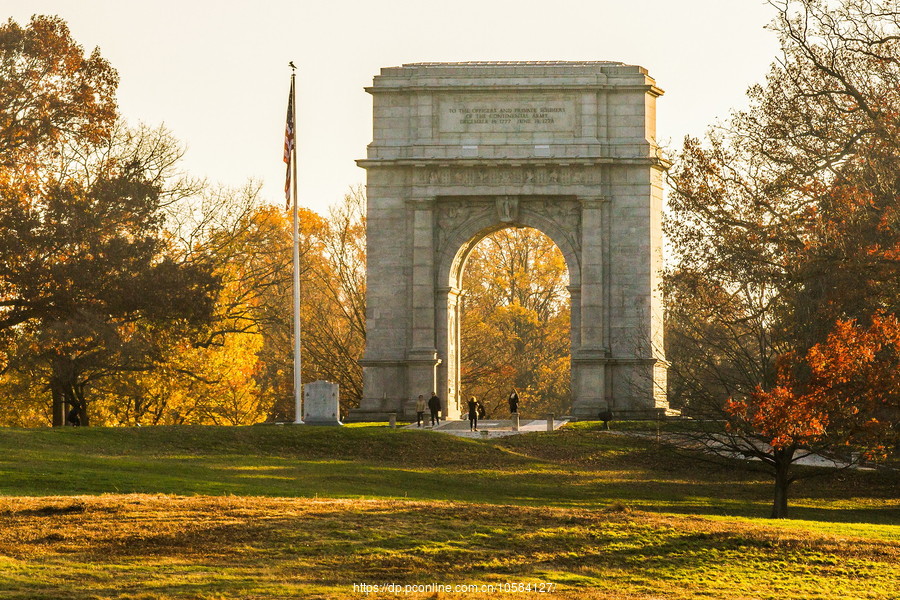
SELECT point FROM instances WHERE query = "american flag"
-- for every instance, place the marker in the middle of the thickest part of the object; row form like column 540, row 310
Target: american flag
column 289, row 145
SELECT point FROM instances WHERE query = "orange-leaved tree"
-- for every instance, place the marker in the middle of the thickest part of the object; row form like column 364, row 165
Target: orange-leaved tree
column 89, row 276
column 840, row 402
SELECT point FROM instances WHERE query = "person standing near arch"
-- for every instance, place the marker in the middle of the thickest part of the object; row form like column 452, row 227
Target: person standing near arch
column 473, row 414
column 514, row 402
column 434, row 405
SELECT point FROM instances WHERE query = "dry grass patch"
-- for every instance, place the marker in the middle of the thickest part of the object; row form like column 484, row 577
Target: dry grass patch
column 162, row 547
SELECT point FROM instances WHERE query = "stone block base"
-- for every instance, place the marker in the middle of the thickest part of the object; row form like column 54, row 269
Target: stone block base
column 329, row 423
column 358, row 415
column 648, row 414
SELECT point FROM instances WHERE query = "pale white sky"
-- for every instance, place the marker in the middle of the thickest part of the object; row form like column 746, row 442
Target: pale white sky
column 215, row 72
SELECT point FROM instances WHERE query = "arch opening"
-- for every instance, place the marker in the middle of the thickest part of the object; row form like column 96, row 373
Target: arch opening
column 510, row 320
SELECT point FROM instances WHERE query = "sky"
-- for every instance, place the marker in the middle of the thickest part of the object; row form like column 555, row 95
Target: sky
column 216, row 72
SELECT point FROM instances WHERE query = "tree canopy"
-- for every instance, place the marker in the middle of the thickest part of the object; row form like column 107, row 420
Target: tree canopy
column 786, row 226
column 89, row 277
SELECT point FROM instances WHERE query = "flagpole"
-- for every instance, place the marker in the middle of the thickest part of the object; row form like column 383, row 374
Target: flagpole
column 298, row 384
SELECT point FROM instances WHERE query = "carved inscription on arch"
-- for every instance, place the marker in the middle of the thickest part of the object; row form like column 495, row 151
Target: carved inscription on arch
column 519, row 176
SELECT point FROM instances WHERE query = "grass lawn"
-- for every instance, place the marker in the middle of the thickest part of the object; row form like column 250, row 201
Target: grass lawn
column 287, row 512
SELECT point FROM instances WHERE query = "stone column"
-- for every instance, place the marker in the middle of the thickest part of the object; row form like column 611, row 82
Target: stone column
column 450, row 396
column 444, row 347
column 449, row 351
column 590, row 356
column 422, row 359
column 593, row 321
column 574, row 317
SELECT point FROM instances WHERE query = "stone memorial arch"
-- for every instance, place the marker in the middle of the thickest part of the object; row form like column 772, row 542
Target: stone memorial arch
column 461, row 150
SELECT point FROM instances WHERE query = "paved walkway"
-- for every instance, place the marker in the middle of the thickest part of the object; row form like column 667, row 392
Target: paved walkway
column 491, row 428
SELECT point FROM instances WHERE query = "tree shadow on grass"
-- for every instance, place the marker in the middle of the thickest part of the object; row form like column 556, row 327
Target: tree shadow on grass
column 334, row 543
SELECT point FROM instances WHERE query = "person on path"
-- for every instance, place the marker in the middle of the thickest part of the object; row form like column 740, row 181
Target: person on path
column 482, row 413
column 420, row 410
column 473, row 414
column 434, row 405
column 514, row 402
column 606, row 416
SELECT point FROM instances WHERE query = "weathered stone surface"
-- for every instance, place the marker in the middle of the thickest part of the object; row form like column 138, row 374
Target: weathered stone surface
column 461, row 150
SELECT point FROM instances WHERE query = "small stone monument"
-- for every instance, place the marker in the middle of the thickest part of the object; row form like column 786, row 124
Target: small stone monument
column 321, row 403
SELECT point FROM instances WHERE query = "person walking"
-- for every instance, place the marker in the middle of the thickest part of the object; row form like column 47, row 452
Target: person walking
column 514, row 402
column 473, row 414
column 482, row 413
column 434, row 405
column 420, row 410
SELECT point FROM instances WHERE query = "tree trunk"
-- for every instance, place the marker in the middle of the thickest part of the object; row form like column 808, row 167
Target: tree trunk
column 59, row 403
column 64, row 383
column 783, row 459
column 78, row 391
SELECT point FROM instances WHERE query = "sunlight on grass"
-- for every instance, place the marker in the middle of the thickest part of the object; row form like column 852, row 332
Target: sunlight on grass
column 230, row 513
column 181, row 547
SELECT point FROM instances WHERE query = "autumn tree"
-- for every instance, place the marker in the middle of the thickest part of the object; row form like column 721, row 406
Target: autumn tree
column 843, row 394
column 91, row 266
column 332, row 305
column 50, row 95
column 155, row 296
column 251, row 247
column 89, row 278
column 335, row 334
column 786, row 228
column 515, row 322
column 253, row 257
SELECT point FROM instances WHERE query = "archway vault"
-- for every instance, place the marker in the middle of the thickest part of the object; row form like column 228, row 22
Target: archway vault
column 461, row 151
column 460, row 224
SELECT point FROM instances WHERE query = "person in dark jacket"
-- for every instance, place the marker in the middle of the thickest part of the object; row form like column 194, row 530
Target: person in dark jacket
column 514, row 402
column 482, row 413
column 606, row 416
column 434, row 405
column 74, row 417
column 473, row 414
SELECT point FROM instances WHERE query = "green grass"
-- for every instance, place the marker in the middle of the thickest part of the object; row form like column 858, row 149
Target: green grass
column 281, row 511
column 576, row 467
